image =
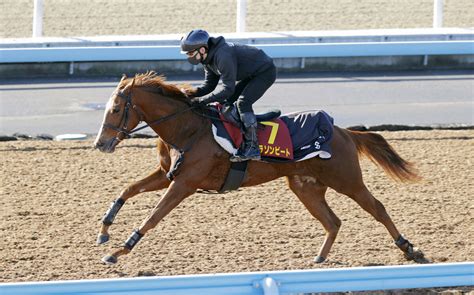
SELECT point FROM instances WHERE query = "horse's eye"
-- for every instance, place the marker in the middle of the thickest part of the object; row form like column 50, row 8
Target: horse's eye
column 115, row 110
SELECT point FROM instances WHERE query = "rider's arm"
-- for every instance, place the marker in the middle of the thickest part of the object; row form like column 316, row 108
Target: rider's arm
column 227, row 66
column 209, row 84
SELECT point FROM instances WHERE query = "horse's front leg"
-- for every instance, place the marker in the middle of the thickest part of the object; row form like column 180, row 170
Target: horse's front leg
column 155, row 181
column 175, row 193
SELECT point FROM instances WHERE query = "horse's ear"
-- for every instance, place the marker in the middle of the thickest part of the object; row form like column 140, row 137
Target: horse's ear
column 123, row 77
column 129, row 86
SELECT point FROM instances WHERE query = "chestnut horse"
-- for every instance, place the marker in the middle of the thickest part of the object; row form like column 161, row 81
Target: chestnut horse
column 187, row 148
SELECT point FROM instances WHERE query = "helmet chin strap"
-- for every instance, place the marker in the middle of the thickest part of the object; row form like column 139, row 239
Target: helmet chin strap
column 194, row 61
column 202, row 55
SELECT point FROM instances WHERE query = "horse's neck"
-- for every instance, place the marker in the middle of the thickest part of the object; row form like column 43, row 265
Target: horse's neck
column 178, row 130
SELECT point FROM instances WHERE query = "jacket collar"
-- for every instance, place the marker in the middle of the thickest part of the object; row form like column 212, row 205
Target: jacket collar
column 214, row 45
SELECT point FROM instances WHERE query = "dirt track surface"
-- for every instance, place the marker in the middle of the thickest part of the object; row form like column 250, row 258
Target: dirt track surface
column 53, row 195
column 143, row 17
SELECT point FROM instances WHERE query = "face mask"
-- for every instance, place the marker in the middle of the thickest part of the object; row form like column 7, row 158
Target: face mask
column 193, row 59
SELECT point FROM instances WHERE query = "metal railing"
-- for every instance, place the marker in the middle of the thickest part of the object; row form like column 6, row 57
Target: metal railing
column 267, row 283
column 303, row 50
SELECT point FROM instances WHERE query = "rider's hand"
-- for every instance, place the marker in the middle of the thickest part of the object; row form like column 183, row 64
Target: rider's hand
column 189, row 92
column 198, row 101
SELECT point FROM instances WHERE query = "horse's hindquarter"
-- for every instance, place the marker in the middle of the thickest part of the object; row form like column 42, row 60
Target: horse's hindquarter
column 342, row 171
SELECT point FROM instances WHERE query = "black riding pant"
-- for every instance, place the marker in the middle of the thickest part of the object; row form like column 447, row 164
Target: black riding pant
column 249, row 90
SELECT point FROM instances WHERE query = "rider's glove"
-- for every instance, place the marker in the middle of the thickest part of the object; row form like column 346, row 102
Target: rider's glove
column 199, row 101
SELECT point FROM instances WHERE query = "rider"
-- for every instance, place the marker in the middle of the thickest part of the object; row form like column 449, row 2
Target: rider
column 251, row 67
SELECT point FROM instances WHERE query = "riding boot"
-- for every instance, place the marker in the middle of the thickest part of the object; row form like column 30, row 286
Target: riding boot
column 249, row 149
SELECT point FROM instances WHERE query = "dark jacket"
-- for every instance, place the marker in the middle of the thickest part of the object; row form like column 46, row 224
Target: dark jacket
column 231, row 63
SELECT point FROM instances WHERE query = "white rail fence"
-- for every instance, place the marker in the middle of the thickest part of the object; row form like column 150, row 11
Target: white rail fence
column 438, row 14
column 38, row 19
column 267, row 283
column 240, row 19
column 306, row 50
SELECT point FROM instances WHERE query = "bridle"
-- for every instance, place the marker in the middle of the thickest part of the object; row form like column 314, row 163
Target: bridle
column 124, row 133
column 122, row 128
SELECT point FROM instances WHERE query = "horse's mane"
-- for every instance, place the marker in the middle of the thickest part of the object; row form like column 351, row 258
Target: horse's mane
column 157, row 83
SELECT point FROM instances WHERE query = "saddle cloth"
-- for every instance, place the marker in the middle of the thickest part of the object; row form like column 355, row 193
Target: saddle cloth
column 290, row 138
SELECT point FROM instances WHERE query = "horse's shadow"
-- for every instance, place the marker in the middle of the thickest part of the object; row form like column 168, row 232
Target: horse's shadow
column 422, row 260
column 146, row 273
column 419, row 260
column 373, row 264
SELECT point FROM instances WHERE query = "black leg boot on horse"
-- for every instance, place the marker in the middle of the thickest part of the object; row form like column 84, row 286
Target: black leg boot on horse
column 249, row 150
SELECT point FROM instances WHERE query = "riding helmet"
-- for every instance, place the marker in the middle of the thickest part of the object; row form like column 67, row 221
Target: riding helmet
column 194, row 40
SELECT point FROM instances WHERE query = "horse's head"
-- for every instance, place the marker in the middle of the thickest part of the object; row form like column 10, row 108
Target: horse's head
column 120, row 117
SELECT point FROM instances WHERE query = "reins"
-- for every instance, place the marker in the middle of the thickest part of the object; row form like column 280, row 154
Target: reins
column 161, row 120
column 128, row 104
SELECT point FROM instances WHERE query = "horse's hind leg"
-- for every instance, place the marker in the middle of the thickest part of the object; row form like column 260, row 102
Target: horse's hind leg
column 369, row 203
column 311, row 194
column 155, row 181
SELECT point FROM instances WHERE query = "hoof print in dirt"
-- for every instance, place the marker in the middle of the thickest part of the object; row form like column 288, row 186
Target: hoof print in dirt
column 109, row 259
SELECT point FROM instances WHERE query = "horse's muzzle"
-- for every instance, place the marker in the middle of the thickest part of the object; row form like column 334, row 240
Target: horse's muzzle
column 108, row 146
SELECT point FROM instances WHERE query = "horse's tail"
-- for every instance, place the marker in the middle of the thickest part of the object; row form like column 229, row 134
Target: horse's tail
column 379, row 151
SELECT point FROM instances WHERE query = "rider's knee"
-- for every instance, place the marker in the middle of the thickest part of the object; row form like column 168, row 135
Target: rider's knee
column 243, row 106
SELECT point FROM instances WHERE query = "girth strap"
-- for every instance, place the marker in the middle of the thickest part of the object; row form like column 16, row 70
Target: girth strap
column 234, row 178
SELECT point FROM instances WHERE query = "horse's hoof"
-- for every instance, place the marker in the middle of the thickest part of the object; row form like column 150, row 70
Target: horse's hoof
column 319, row 259
column 109, row 259
column 414, row 254
column 102, row 239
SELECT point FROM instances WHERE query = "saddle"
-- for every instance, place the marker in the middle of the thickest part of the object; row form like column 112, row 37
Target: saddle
column 288, row 138
column 230, row 114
